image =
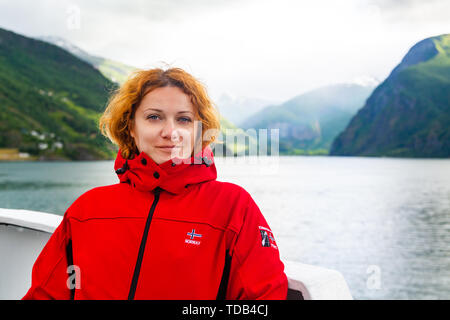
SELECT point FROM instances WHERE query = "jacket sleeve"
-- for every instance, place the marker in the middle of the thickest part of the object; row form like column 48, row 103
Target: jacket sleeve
column 49, row 275
column 256, row 270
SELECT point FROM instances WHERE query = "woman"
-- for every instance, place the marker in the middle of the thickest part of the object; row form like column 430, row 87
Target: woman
column 168, row 230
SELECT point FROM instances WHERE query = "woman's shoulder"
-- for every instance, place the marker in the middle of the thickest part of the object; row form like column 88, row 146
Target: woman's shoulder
column 226, row 185
column 230, row 195
column 228, row 188
column 102, row 191
column 235, row 202
column 87, row 203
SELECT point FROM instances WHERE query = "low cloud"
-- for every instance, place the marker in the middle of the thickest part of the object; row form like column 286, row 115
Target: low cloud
column 256, row 48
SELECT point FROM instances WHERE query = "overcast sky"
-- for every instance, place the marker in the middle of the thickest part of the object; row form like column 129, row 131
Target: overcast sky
column 269, row 49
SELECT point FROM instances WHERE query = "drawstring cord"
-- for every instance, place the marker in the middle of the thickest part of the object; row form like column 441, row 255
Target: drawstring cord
column 205, row 161
column 124, row 168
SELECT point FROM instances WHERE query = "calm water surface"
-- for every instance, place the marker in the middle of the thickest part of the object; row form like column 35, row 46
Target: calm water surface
column 383, row 223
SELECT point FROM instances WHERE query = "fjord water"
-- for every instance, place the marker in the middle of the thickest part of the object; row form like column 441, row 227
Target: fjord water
column 384, row 223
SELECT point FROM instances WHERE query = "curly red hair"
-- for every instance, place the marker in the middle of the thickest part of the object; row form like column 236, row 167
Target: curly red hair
column 116, row 121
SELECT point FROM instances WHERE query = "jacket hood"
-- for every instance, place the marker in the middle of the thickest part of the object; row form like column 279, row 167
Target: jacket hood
column 174, row 175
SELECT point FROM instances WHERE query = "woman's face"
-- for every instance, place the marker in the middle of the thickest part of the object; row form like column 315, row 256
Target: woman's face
column 163, row 125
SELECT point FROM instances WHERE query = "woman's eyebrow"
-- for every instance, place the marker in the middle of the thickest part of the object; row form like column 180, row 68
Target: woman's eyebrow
column 159, row 110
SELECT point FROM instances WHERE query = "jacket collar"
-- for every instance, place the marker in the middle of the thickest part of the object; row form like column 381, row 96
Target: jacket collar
column 174, row 175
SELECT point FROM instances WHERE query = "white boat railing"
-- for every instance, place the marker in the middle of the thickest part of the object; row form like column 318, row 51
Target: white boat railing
column 24, row 233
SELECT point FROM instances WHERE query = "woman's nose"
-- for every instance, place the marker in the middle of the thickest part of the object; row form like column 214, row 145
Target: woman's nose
column 168, row 130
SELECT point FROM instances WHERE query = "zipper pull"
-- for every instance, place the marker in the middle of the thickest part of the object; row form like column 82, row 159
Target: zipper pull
column 157, row 191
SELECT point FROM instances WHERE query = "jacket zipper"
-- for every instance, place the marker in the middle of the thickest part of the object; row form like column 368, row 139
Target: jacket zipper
column 137, row 267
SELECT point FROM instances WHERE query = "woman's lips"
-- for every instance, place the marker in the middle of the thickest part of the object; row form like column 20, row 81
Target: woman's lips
column 168, row 149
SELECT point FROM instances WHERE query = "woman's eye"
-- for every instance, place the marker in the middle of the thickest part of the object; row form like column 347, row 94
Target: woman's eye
column 152, row 117
column 185, row 120
column 156, row 117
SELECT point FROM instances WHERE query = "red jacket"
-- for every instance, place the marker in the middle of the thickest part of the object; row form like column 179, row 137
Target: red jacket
column 168, row 231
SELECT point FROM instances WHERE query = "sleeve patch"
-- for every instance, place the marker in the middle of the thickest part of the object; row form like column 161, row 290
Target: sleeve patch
column 267, row 239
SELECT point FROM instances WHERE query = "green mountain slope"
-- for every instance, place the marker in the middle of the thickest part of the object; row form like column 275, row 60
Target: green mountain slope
column 408, row 115
column 234, row 141
column 113, row 70
column 50, row 101
column 309, row 122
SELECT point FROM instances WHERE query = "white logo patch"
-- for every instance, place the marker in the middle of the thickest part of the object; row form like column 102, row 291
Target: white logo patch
column 191, row 238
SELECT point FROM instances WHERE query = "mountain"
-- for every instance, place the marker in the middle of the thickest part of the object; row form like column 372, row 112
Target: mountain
column 234, row 140
column 50, row 101
column 113, row 70
column 309, row 122
column 237, row 109
column 408, row 114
